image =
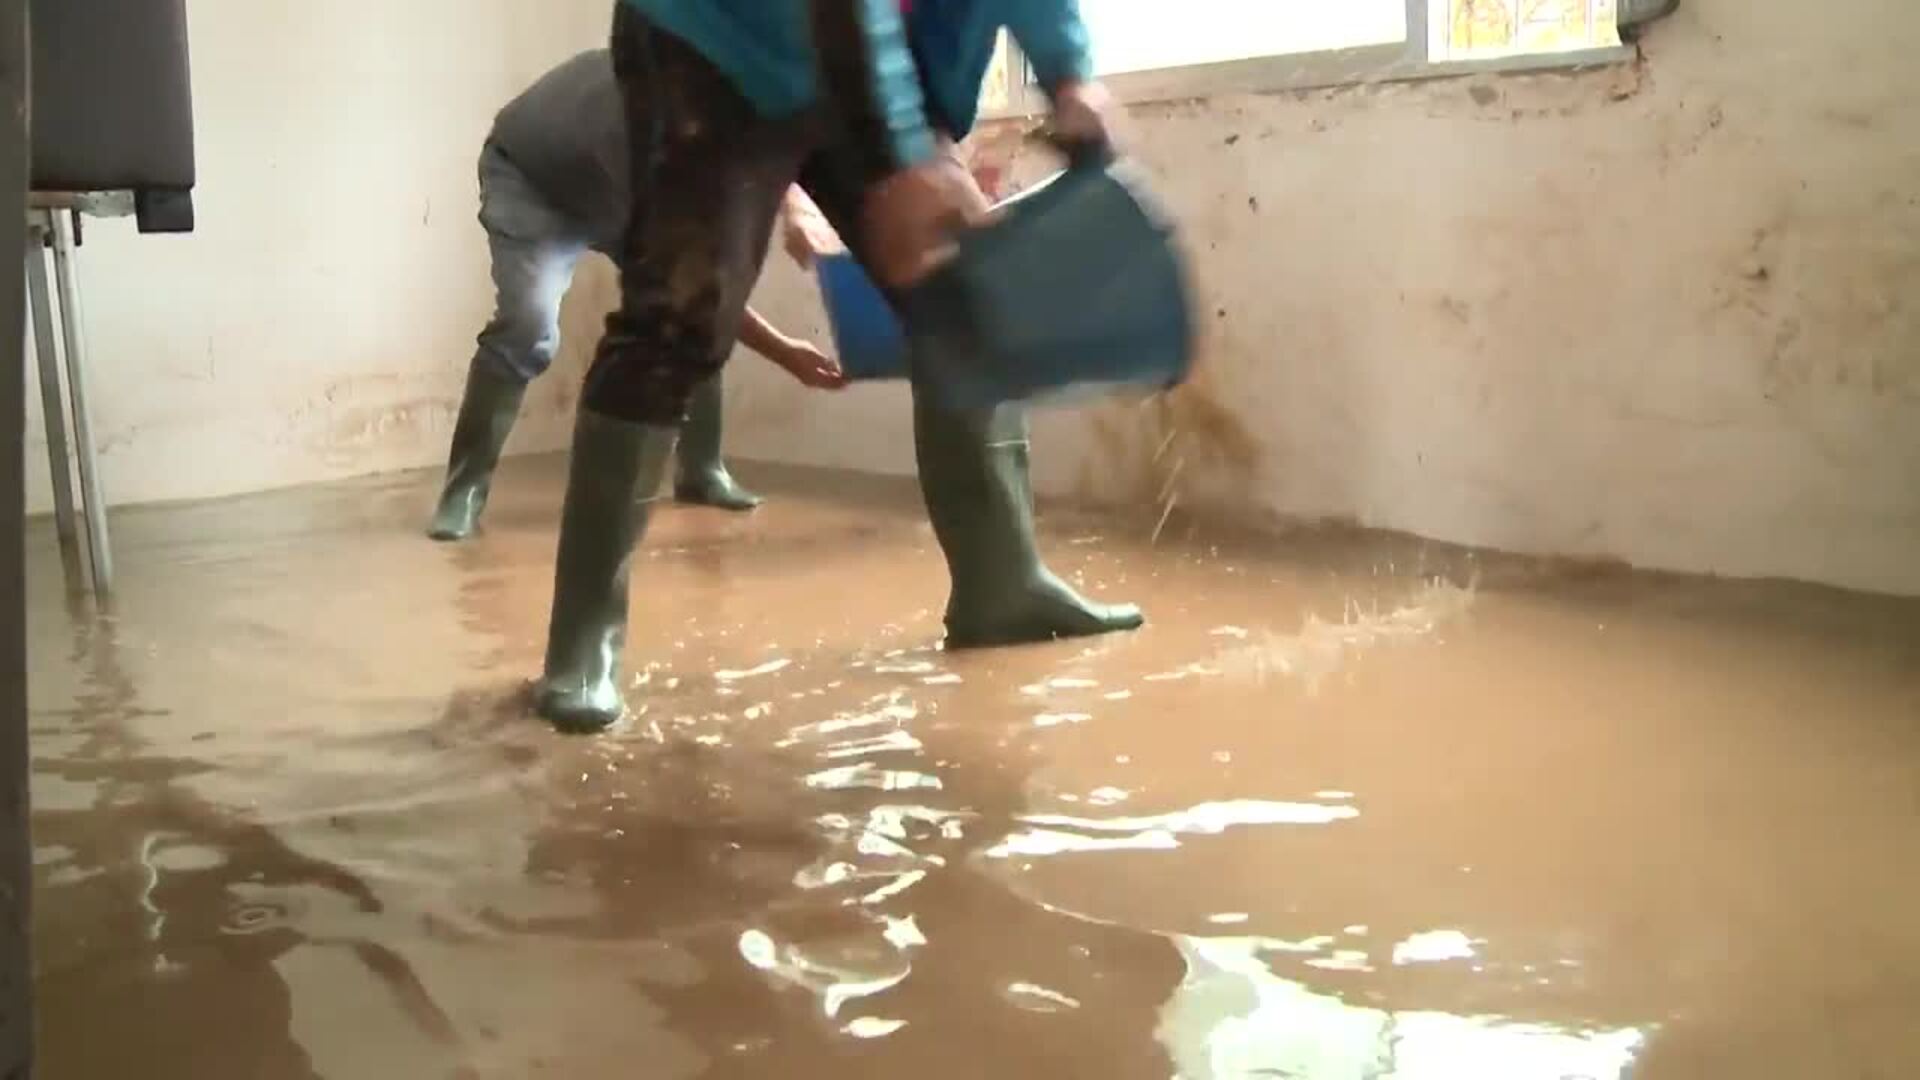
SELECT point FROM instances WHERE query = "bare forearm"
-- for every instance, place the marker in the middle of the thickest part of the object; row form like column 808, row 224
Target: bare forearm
column 761, row 336
column 796, row 357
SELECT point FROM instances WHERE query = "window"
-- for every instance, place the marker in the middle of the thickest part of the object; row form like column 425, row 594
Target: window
column 1487, row 29
column 1164, row 49
column 1147, row 35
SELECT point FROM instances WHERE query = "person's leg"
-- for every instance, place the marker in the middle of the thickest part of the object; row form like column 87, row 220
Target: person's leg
column 975, row 477
column 708, row 178
column 703, row 478
column 533, row 259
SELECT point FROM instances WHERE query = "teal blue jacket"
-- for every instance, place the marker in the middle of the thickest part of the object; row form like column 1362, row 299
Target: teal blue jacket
column 911, row 74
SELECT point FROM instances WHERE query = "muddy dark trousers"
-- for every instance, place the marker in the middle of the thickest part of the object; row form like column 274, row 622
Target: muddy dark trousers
column 709, row 175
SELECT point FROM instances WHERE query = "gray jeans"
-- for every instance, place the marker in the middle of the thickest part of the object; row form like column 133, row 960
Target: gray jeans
column 534, row 249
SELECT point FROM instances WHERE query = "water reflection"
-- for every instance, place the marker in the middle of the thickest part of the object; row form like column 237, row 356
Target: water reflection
column 837, row 972
column 1233, row 1018
column 1057, row 834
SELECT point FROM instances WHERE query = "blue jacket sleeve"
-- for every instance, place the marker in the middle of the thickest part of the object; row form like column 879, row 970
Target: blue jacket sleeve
column 1053, row 37
column 868, row 73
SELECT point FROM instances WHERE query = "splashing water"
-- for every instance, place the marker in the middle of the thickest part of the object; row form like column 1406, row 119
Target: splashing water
column 1320, row 648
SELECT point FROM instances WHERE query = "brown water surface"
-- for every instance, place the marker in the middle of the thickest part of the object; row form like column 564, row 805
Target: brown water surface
column 1351, row 807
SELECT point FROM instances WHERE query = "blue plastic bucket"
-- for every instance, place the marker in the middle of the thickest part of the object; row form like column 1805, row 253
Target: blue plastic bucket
column 1076, row 289
column 866, row 334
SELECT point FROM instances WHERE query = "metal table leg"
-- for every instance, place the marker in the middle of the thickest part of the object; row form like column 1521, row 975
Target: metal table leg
column 53, row 408
column 71, row 318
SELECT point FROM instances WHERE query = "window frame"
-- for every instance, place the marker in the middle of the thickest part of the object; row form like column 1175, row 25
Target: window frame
column 1402, row 62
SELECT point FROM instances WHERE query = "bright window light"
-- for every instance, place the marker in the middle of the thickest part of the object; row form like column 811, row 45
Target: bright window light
column 1489, row 29
column 1148, row 35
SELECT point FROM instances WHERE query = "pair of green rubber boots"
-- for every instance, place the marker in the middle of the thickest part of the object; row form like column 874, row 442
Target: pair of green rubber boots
column 486, row 417
column 974, row 474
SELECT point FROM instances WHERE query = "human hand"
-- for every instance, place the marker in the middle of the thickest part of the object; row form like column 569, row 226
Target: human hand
column 1085, row 118
column 812, row 367
column 805, row 231
column 914, row 218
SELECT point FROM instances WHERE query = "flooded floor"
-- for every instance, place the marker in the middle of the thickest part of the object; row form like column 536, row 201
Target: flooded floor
column 1350, row 807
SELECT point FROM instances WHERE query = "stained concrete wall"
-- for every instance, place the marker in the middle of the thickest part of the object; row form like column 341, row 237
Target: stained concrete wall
column 319, row 321
column 1657, row 313
column 1667, row 313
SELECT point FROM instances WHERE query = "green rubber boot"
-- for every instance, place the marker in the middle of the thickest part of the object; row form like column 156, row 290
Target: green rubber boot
column 487, row 413
column 703, row 479
column 612, row 483
column 974, row 474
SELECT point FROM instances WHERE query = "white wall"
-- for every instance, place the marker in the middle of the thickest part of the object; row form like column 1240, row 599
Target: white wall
column 1667, row 314
column 319, row 321
column 1662, row 314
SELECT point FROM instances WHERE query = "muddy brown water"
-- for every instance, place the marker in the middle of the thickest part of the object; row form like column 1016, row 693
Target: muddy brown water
column 1351, row 807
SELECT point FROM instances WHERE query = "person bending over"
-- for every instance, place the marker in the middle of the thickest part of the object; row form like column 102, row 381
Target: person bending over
column 554, row 186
